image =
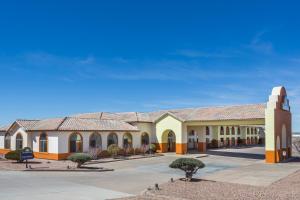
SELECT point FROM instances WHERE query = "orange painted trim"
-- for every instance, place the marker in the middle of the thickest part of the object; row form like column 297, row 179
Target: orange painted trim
column 51, row 156
column 202, row 147
column 181, row 148
column 270, row 156
column 161, row 147
column 4, row 151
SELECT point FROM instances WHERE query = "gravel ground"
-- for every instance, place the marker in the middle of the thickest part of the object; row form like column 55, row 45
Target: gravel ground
column 287, row 188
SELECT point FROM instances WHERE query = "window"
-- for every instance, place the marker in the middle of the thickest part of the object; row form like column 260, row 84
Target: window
column 75, row 143
column 233, row 131
column 227, row 130
column 19, row 142
column 247, row 131
column 145, row 139
column 222, row 140
column 207, row 130
column 7, row 141
column 95, row 141
column 251, row 131
column 112, row 139
column 127, row 140
column 43, row 142
column 239, row 131
column 255, row 131
column 221, row 130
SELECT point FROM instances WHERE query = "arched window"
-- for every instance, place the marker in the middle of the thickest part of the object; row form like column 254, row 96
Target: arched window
column 95, row 141
column 127, row 140
column 247, row 131
column 112, row 139
column 255, row 131
column 43, row 142
column 239, row 131
column 19, row 142
column 251, row 131
column 7, row 141
column 227, row 130
column 233, row 131
column 75, row 143
column 145, row 139
column 192, row 133
column 221, row 130
column 207, row 130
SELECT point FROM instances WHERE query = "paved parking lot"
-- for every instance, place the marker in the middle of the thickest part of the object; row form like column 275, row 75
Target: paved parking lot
column 129, row 178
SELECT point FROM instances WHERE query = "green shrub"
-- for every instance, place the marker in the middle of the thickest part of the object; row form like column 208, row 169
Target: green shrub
column 189, row 165
column 80, row 158
column 113, row 150
column 14, row 155
column 152, row 148
column 104, row 154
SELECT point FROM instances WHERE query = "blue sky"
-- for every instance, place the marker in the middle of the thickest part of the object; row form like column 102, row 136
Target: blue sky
column 64, row 57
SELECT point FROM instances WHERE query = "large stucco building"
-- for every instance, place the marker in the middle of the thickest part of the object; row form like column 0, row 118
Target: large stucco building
column 181, row 130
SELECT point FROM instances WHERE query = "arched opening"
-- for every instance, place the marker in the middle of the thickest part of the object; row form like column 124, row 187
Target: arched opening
column 145, row 139
column 227, row 130
column 169, row 138
column 207, row 130
column 95, row 141
column 192, row 140
column 239, row 131
column 222, row 130
column 43, row 143
column 19, row 142
column 75, row 142
column 7, row 141
column 112, row 139
column 232, row 130
column 127, row 140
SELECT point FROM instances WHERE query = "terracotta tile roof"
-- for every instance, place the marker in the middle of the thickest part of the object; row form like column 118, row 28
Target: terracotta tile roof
column 251, row 111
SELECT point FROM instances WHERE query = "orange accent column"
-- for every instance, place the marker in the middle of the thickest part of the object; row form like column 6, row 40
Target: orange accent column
column 181, row 148
column 270, row 156
column 161, row 147
column 202, row 147
column 4, row 151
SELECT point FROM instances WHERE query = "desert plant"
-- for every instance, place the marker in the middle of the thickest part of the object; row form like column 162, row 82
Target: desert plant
column 14, row 155
column 189, row 165
column 104, row 154
column 113, row 150
column 137, row 151
column 121, row 152
column 152, row 148
column 80, row 158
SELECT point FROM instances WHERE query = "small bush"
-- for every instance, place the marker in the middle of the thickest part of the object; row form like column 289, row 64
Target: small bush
column 137, row 151
column 14, row 155
column 214, row 143
column 129, row 151
column 80, row 158
column 113, row 150
column 189, row 165
column 121, row 152
column 152, row 148
column 104, row 154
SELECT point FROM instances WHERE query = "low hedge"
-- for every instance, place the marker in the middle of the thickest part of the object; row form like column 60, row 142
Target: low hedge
column 80, row 158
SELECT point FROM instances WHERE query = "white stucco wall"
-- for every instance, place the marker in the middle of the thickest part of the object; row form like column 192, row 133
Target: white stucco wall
column 2, row 135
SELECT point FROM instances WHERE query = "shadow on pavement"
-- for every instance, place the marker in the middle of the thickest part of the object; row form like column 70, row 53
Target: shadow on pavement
column 237, row 154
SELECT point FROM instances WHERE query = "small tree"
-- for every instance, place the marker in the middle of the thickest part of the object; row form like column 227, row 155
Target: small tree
column 189, row 165
column 80, row 158
column 113, row 150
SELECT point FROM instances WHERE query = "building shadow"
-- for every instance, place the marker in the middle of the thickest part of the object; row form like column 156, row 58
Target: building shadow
column 256, row 156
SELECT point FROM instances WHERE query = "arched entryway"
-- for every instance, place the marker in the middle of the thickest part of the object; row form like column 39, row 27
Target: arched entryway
column 112, row 139
column 169, row 138
column 127, row 141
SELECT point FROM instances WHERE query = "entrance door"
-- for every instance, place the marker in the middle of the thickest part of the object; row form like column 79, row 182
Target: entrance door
column 192, row 140
column 171, row 142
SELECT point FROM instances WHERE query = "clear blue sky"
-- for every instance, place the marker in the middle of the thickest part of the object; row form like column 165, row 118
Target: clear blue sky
column 64, row 57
